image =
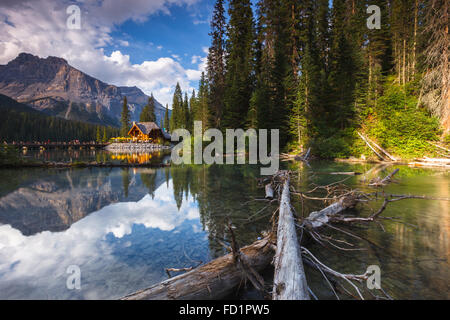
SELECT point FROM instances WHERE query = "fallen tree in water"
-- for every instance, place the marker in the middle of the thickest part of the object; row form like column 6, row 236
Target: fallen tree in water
column 289, row 281
column 220, row 277
column 214, row 280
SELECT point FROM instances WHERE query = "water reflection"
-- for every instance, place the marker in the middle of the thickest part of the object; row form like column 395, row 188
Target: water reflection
column 122, row 227
column 414, row 255
column 98, row 155
column 114, row 247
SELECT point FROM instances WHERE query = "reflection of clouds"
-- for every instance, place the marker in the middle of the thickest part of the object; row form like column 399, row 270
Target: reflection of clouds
column 45, row 256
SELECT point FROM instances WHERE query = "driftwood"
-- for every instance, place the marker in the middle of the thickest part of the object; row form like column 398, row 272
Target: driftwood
column 298, row 157
column 305, row 156
column 320, row 218
column 269, row 191
column 214, row 280
column 377, row 182
column 432, row 162
column 429, row 164
column 168, row 270
column 382, row 150
column 439, row 147
column 370, row 146
column 289, row 281
column 346, row 173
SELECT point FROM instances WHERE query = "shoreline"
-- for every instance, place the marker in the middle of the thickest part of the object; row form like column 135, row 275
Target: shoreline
column 82, row 165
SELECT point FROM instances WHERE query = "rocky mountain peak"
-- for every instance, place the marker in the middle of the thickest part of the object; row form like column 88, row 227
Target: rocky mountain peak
column 53, row 86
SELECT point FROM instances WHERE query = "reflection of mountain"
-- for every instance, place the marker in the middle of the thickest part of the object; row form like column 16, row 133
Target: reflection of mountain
column 55, row 202
column 119, row 249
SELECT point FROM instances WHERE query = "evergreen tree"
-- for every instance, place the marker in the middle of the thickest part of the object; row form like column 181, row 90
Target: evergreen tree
column 98, row 134
column 166, row 119
column 378, row 58
column 193, row 110
column 201, row 103
column 105, row 136
column 436, row 84
column 125, row 119
column 186, row 111
column 216, row 64
column 177, row 119
column 239, row 80
column 148, row 112
column 343, row 67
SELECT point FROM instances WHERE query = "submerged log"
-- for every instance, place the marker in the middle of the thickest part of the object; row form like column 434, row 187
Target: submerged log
column 214, row 280
column 386, row 180
column 269, row 191
column 346, row 173
column 318, row 219
column 289, row 281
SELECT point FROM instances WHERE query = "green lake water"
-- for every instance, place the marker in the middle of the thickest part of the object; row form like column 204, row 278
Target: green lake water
column 123, row 227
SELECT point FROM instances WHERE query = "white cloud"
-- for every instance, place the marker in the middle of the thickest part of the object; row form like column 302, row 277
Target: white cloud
column 44, row 256
column 39, row 27
column 195, row 59
column 124, row 43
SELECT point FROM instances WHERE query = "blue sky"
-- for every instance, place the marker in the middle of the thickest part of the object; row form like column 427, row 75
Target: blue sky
column 151, row 44
column 183, row 32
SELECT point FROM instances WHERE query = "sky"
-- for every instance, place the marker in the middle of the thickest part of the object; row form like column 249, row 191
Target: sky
column 151, row 44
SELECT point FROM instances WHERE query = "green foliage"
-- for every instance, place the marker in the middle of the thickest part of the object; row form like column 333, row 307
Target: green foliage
column 8, row 155
column 398, row 125
column 125, row 118
column 239, row 64
column 339, row 145
column 148, row 112
column 166, row 119
column 178, row 116
column 447, row 139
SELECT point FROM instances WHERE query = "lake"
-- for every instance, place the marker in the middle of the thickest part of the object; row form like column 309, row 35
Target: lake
column 122, row 227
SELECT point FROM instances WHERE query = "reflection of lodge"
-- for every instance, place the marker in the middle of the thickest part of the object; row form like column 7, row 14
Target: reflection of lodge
column 135, row 157
column 147, row 132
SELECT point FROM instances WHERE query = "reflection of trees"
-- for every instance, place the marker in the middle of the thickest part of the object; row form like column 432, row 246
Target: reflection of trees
column 149, row 181
column 222, row 194
column 181, row 181
column 125, row 181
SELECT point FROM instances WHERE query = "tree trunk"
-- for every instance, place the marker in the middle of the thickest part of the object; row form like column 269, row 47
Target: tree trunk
column 318, row 219
column 368, row 144
column 214, row 280
column 289, row 281
column 416, row 13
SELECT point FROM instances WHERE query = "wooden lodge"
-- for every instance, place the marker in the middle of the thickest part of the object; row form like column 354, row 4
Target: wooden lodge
column 147, row 132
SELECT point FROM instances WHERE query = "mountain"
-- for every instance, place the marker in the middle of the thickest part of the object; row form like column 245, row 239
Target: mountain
column 53, row 86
